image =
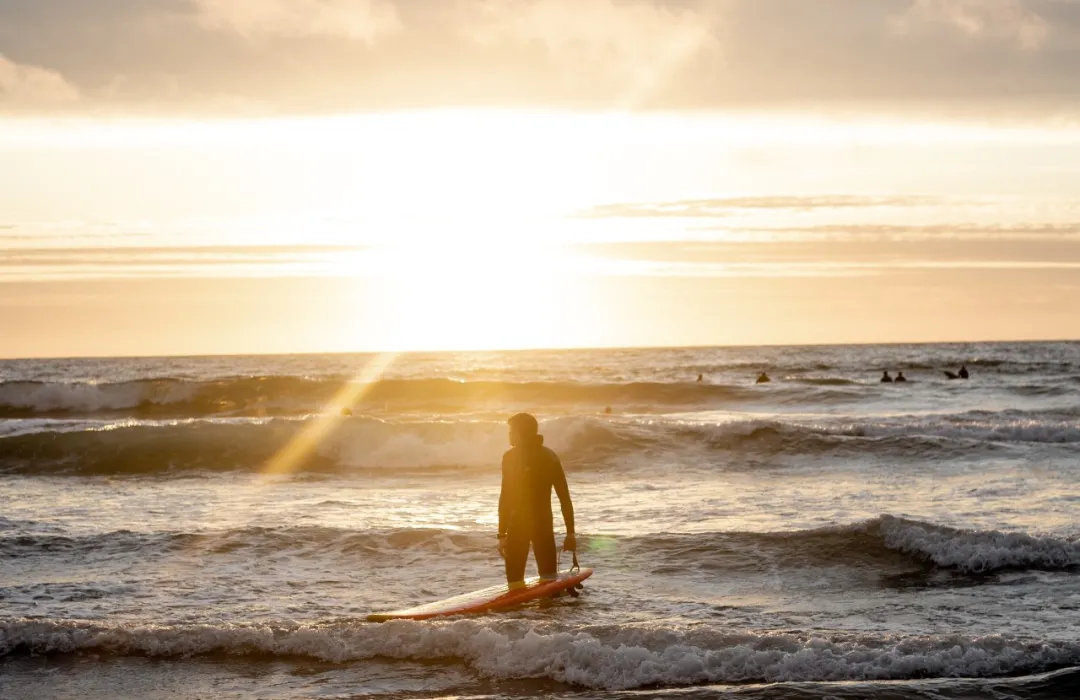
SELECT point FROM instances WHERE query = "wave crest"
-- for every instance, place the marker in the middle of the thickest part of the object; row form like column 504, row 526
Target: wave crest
column 882, row 544
column 618, row 658
column 357, row 444
column 978, row 551
column 284, row 395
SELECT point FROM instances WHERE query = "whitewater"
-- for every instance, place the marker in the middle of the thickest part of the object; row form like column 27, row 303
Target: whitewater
column 221, row 526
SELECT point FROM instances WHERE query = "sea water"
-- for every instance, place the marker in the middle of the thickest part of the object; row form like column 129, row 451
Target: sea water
column 220, row 527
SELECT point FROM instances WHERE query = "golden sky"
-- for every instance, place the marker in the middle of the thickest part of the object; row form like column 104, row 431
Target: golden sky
column 220, row 176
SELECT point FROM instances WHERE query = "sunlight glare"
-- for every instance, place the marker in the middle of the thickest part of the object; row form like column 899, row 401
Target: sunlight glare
column 299, row 449
column 508, row 295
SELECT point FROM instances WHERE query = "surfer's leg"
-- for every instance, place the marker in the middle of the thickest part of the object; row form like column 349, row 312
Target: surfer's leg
column 517, row 554
column 547, row 564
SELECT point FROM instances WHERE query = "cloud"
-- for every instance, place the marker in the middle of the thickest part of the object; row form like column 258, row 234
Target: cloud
column 1035, row 231
column 364, row 20
column 1008, row 19
column 909, row 58
column 640, row 43
column 725, row 206
column 123, row 261
column 815, row 257
column 23, row 86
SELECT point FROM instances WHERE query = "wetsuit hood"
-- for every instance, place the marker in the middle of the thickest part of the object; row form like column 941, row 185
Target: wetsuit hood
column 529, row 442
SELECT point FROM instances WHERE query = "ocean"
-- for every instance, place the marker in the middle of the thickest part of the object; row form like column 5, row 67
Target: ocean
column 220, row 527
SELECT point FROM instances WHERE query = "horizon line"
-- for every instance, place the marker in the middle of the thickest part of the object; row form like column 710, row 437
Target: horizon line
column 537, row 350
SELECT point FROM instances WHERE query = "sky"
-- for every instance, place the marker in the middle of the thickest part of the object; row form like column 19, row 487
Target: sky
column 244, row 176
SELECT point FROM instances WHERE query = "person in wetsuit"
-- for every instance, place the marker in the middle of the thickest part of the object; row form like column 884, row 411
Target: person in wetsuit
column 763, row 379
column 529, row 472
column 963, row 373
column 885, row 378
column 900, row 377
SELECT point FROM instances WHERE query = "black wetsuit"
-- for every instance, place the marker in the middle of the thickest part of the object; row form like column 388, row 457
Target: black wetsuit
column 528, row 475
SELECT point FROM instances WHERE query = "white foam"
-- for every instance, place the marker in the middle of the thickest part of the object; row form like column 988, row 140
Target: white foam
column 624, row 658
column 369, row 443
column 372, row 443
column 85, row 397
column 1006, row 429
column 1001, row 429
column 978, row 551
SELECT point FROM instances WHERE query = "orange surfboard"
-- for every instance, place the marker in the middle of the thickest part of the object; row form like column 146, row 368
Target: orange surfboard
column 488, row 599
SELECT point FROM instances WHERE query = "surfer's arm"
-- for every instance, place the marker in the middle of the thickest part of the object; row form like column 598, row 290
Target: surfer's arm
column 504, row 517
column 558, row 480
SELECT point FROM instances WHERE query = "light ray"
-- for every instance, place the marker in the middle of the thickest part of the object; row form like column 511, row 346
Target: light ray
column 296, row 452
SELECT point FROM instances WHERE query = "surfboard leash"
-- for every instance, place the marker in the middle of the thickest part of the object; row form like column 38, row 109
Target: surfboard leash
column 574, row 553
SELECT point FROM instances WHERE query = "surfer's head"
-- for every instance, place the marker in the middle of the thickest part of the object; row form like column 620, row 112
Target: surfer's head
column 524, row 430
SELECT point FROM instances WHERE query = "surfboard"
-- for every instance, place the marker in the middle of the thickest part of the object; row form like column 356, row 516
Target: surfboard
column 489, row 599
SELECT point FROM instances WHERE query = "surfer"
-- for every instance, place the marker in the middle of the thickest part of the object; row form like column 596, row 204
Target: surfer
column 962, row 374
column 529, row 472
column 763, row 379
column 700, row 378
column 900, row 377
column 885, row 378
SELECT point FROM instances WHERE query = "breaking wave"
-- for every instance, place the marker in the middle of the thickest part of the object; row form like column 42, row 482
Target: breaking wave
column 250, row 541
column 352, row 444
column 285, row 395
column 880, row 543
column 357, row 443
column 611, row 658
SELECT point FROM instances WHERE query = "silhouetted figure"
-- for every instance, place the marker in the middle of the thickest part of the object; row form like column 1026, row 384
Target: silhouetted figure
column 700, row 378
column 900, row 377
column 529, row 473
column 963, row 373
column 607, row 410
column 763, row 379
column 885, row 378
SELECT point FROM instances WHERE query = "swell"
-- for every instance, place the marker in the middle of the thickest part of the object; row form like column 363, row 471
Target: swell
column 285, row 395
column 353, row 445
column 885, row 543
column 882, row 542
column 248, row 541
column 269, row 396
column 612, row 658
column 360, row 444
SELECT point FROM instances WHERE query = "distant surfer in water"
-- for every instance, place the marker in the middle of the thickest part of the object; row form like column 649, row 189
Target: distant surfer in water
column 885, row 378
column 700, row 378
column 763, row 379
column 962, row 374
column 529, row 472
column 900, row 377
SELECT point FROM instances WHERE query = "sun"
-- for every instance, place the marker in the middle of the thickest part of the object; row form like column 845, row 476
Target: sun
column 476, row 296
